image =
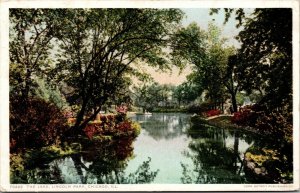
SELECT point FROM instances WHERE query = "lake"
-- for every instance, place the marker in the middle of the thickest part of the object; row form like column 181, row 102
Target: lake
column 169, row 150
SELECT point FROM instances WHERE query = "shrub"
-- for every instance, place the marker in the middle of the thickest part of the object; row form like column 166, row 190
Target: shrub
column 277, row 124
column 111, row 125
column 122, row 109
column 35, row 123
column 246, row 116
column 213, row 112
column 200, row 108
column 92, row 129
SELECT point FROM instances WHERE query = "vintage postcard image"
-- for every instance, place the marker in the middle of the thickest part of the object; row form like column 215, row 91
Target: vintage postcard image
column 149, row 95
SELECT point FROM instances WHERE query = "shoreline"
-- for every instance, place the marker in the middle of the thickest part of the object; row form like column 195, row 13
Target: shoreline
column 226, row 124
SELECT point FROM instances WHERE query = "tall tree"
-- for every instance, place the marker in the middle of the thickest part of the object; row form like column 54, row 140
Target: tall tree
column 231, row 79
column 187, row 92
column 31, row 33
column 99, row 47
column 265, row 57
column 209, row 55
column 266, row 54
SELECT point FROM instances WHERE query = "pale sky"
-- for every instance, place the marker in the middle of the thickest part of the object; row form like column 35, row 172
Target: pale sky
column 202, row 18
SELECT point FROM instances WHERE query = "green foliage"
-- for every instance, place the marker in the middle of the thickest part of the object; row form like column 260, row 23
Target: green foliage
column 94, row 52
column 266, row 56
column 276, row 123
column 22, row 163
column 31, row 33
column 166, row 97
column 136, row 128
column 153, row 96
column 187, row 92
column 276, row 162
column 45, row 92
column 99, row 46
column 200, row 108
column 210, row 58
column 240, row 98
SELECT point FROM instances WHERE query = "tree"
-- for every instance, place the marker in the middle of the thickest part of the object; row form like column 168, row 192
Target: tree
column 146, row 96
column 31, row 33
column 154, row 95
column 186, row 92
column 265, row 57
column 99, row 47
column 52, row 95
column 209, row 55
column 231, row 80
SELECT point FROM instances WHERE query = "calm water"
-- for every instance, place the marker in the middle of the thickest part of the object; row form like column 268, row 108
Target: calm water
column 168, row 150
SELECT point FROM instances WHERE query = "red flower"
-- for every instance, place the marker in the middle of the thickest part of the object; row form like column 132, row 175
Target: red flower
column 213, row 112
column 122, row 109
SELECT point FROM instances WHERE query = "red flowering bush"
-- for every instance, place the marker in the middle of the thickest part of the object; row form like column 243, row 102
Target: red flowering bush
column 122, row 109
column 243, row 117
column 111, row 125
column 276, row 123
column 212, row 112
column 35, row 123
column 124, row 126
column 123, row 148
column 93, row 129
column 246, row 116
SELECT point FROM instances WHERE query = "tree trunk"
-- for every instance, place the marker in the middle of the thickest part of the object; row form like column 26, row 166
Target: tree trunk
column 222, row 106
column 233, row 101
column 25, row 90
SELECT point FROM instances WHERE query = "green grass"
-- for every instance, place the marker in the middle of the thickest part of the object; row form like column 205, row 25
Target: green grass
column 224, row 122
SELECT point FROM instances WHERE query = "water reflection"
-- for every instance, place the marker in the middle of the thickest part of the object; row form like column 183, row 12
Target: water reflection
column 217, row 156
column 169, row 150
column 164, row 126
column 101, row 163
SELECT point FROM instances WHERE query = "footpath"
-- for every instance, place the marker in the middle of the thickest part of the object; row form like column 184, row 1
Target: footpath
column 217, row 116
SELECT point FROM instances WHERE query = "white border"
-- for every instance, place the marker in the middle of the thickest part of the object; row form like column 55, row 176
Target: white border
column 4, row 82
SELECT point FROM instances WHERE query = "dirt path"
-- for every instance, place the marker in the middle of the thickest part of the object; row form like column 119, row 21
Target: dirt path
column 221, row 115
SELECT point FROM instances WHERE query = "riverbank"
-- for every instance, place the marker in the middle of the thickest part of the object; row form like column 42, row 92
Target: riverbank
column 272, row 163
column 224, row 121
column 106, row 130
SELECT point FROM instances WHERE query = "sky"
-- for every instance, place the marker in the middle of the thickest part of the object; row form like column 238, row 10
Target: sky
column 202, row 18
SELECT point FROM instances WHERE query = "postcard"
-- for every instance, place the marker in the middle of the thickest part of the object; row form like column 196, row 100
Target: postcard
column 149, row 95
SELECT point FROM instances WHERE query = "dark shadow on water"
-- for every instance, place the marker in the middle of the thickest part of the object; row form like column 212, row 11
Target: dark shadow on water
column 102, row 163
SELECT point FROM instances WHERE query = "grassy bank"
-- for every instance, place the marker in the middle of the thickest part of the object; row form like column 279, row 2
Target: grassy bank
column 223, row 122
column 270, row 162
column 168, row 110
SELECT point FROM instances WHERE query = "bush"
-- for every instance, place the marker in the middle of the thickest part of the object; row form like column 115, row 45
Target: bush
column 112, row 125
column 35, row 123
column 213, row 112
column 199, row 108
column 246, row 116
column 277, row 123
